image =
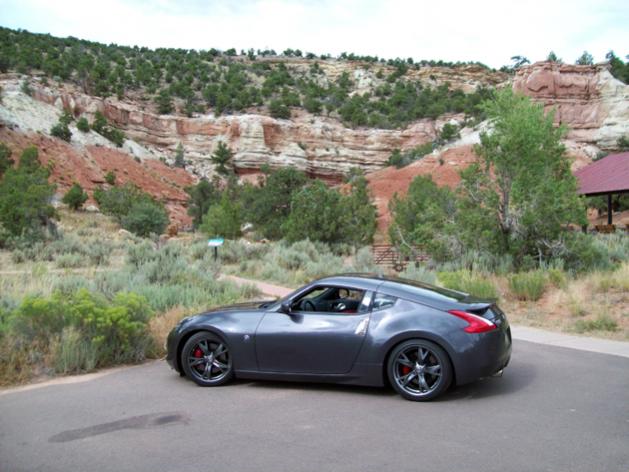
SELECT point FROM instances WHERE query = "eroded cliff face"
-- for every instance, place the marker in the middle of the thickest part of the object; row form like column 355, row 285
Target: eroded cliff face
column 321, row 147
column 588, row 100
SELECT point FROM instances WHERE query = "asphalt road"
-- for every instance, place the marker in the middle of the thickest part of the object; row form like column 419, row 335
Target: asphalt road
column 555, row 409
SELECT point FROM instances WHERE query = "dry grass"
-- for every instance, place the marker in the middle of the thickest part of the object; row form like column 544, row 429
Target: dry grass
column 160, row 325
column 595, row 304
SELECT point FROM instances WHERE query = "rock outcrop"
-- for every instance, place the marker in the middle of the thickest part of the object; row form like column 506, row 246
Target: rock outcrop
column 321, row 147
column 88, row 165
column 588, row 100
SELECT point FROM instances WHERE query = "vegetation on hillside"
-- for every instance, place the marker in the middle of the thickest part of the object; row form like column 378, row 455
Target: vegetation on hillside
column 516, row 201
column 69, row 322
column 25, row 195
column 195, row 81
column 285, row 204
column 134, row 209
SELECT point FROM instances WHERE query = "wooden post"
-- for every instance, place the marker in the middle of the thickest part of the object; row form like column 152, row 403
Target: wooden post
column 609, row 208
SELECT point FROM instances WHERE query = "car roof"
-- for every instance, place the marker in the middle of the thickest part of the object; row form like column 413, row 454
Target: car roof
column 365, row 281
column 432, row 295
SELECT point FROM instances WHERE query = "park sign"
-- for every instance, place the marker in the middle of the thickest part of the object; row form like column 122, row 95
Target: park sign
column 215, row 242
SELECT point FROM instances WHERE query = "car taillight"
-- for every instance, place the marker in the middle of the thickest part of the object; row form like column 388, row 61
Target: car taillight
column 476, row 324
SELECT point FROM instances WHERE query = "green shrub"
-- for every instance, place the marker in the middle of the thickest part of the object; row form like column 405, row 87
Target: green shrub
column 83, row 125
column 110, row 178
column 236, row 251
column 134, row 209
column 557, row 277
column 528, row 285
column 61, row 131
column 363, row 261
column 117, row 330
column 101, row 126
column 585, row 252
column 140, row 253
column 601, row 323
column 277, row 109
column 18, row 256
column 25, row 196
column 5, row 158
column 75, row 197
column 468, row 282
column 74, row 354
column 420, row 273
column 66, row 261
column 145, row 217
column 69, row 284
column 223, row 219
column 449, row 132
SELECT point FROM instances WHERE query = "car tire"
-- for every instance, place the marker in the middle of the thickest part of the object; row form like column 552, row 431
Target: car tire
column 419, row 370
column 207, row 360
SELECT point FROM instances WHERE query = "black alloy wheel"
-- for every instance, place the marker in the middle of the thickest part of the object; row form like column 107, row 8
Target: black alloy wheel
column 206, row 359
column 419, row 370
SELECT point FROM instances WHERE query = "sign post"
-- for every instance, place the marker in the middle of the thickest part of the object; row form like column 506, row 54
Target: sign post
column 215, row 243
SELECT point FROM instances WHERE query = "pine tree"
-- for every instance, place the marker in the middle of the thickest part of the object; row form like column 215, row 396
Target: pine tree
column 179, row 157
column 222, row 159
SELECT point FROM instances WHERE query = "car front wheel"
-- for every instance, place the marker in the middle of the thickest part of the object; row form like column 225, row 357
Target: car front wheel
column 206, row 359
column 419, row 370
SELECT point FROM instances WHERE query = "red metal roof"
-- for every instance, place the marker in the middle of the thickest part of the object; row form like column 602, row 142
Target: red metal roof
column 610, row 174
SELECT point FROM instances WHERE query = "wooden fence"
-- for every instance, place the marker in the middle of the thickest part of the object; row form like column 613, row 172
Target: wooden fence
column 386, row 255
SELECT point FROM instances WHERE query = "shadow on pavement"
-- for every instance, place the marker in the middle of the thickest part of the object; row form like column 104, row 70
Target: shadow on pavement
column 515, row 378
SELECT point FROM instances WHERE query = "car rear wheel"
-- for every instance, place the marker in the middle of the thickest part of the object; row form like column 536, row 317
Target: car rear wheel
column 419, row 370
column 206, row 359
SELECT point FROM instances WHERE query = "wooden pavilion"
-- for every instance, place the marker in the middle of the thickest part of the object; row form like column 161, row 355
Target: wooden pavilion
column 607, row 176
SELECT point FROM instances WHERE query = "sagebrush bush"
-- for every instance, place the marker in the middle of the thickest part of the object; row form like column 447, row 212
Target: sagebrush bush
column 73, row 353
column 419, row 273
column 69, row 261
column 468, row 282
column 236, row 251
column 557, row 277
column 528, row 285
column 18, row 256
column 71, row 283
column 601, row 323
column 363, row 261
column 615, row 246
column 140, row 253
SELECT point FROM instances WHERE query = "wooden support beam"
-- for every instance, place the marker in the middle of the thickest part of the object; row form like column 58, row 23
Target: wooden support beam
column 609, row 208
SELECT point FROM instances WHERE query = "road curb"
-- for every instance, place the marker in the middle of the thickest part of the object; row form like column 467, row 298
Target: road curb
column 523, row 333
column 582, row 343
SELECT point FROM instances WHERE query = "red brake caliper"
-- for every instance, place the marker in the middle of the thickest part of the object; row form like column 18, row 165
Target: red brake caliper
column 405, row 369
column 198, row 352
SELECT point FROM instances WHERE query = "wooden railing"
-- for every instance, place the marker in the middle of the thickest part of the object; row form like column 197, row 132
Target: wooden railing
column 386, row 255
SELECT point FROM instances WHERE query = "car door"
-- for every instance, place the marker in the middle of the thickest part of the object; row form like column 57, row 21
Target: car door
column 312, row 341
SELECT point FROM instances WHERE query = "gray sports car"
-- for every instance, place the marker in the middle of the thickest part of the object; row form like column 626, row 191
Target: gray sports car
column 353, row 329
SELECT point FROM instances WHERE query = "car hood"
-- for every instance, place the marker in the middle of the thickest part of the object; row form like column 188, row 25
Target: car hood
column 245, row 306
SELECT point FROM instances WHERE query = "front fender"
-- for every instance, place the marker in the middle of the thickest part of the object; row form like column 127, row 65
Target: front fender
column 236, row 328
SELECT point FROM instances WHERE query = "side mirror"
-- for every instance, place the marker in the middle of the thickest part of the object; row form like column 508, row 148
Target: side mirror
column 285, row 308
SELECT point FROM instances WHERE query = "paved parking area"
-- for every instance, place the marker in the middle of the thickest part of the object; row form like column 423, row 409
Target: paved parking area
column 555, row 409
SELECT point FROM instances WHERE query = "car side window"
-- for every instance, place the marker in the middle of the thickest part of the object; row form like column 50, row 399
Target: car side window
column 382, row 301
column 331, row 299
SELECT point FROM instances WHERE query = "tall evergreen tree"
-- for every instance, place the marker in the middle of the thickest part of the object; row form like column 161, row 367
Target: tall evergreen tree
column 179, row 156
column 222, row 159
